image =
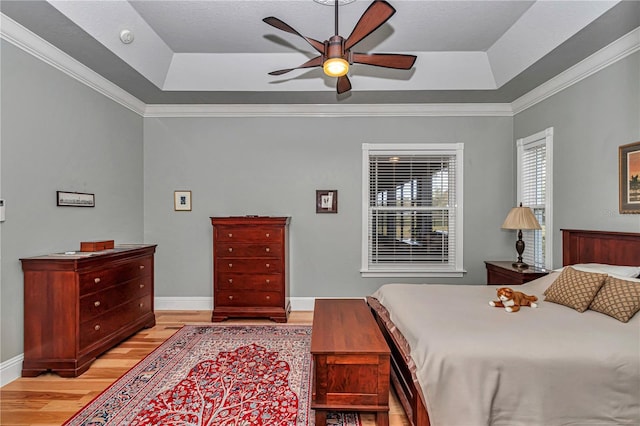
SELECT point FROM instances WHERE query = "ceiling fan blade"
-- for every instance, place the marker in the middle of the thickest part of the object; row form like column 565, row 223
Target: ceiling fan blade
column 376, row 14
column 387, row 60
column 343, row 84
column 277, row 23
column 315, row 62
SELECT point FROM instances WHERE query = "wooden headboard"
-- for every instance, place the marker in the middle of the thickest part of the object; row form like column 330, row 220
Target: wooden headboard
column 613, row 248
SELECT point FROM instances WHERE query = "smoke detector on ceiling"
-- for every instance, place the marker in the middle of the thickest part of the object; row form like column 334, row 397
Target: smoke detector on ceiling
column 126, row 36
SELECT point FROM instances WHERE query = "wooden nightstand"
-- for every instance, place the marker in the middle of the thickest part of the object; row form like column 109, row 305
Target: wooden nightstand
column 502, row 273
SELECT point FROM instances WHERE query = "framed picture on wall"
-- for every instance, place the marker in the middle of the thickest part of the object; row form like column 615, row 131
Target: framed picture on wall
column 182, row 201
column 75, row 199
column 327, row 201
column 629, row 158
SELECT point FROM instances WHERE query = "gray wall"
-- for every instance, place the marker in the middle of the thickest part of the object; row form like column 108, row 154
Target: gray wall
column 273, row 166
column 591, row 119
column 58, row 134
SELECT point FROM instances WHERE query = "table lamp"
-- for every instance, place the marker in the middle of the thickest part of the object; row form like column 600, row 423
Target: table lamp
column 520, row 218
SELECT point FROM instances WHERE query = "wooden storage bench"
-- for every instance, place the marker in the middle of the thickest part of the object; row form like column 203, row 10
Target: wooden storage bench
column 350, row 360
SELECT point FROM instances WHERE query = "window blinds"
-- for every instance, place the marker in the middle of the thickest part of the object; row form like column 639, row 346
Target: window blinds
column 533, row 178
column 411, row 208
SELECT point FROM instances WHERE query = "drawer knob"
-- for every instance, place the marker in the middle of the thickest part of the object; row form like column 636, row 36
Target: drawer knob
column 230, row 249
column 230, row 297
column 96, row 280
column 268, row 235
column 231, row 265
column 268, row 265
column 267, row 249
column 96, row 303
column 141, row 285
column 141, row 305
column 96, row 327
column 141, row 266
column 230, row 235
column 230, row 280
column 268, row 297
column 268, row 281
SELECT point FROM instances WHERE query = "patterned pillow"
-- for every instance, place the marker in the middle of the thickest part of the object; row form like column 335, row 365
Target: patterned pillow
column 617, row 298
column 575, row 289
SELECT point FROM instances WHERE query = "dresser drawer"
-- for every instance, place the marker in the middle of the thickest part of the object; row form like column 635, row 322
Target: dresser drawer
column 257, row 282
column 248, row 233
column 101, row 278
column 96, row 304
column 95, row 329
column 231, row 250
column 264, row 266
column 248, row 298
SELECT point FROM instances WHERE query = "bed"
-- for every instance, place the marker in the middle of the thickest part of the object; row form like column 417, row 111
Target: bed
column 460, row 362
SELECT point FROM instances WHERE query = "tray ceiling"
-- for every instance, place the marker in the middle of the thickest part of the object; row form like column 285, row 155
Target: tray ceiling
column 220, row 51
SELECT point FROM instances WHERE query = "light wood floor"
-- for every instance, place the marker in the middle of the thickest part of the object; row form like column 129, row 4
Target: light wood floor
column 49, row 400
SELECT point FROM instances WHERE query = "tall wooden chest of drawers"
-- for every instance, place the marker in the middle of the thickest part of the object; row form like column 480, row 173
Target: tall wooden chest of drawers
column 250, row 267
column 80, row 305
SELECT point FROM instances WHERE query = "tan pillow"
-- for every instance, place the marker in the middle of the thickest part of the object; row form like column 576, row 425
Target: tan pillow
column 617, row 298
column 575, row 289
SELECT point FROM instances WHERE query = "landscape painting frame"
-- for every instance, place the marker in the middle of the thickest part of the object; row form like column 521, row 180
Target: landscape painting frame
column 629, row 168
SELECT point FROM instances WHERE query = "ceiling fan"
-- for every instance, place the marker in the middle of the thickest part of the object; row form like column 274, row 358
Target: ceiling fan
column 335, row 53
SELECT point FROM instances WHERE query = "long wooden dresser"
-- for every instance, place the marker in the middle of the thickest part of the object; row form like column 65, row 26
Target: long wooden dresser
column 250, row 267
column 77, row 306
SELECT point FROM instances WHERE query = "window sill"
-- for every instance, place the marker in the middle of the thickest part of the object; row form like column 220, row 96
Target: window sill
column 412, row 274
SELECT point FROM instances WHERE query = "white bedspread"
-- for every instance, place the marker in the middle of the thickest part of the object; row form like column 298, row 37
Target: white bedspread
column 479, row 365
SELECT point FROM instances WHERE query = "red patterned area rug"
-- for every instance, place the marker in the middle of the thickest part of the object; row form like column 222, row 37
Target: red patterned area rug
column 218, row 375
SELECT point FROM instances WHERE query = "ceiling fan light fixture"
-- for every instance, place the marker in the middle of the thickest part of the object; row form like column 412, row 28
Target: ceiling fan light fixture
column 335, row 54
column 335, row 67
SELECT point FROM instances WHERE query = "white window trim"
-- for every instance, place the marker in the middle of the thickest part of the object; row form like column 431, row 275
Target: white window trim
column 546, row 137
column 389, row 271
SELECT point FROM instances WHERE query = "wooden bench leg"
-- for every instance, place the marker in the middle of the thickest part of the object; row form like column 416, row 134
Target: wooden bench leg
column 321, row 418
column 382, row 419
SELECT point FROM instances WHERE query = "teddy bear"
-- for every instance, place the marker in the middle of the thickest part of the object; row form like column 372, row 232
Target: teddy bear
column 511, row 300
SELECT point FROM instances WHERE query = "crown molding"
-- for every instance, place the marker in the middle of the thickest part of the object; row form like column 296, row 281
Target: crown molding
column 24, row 39
column 330, row 110
column 608, row 55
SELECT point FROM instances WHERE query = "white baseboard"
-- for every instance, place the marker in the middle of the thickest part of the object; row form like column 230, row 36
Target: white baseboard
column 182, row 303
column 206, row 303
column 11, row 369
column 302, row 303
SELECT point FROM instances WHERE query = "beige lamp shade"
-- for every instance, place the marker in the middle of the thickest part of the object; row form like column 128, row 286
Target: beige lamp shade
column 521, row 218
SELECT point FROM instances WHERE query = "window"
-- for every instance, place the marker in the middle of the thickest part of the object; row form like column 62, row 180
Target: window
column 412, row 210
column 535, row 191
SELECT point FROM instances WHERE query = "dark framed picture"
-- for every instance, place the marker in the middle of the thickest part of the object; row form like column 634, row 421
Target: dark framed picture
column 629, row 156
column 327, row 201
column 182, row 201
column 75, row 199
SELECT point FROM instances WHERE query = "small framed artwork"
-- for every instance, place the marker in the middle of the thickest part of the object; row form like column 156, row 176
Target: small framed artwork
column 327, row 201
column 182, row 201
column 75, row 199
column 629, row 157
